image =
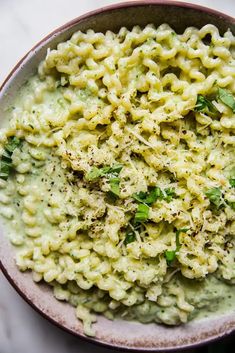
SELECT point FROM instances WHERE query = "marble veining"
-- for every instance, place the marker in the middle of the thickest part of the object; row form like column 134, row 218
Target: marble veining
column 22, row 24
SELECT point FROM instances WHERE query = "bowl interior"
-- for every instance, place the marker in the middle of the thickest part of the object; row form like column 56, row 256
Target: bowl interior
column 120, row 334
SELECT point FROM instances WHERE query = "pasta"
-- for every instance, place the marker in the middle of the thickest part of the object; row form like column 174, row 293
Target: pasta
column 118, row 173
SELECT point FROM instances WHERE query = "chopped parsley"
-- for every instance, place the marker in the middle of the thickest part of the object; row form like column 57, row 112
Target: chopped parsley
column 6, row 159
column 169, row 194
column 114, row 186
column 96, row 173
column 204, row 105
column 227, row 98
column 149, row 197
column 112, row 174
column 215, row 196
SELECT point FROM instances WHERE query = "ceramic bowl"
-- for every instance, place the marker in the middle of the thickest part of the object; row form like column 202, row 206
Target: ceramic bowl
column 118, row 333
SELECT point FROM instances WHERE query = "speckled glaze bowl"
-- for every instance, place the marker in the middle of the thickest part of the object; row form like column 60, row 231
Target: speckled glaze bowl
column 118, row 333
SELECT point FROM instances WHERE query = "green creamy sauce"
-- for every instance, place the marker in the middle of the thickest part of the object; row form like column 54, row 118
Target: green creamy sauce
column 57, row 208
column 209, row 297
column 52, row 188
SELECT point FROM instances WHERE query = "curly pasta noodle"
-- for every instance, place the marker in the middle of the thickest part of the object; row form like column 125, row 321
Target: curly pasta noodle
column 131, row 99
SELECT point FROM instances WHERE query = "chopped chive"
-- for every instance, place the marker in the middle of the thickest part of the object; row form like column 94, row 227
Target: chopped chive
column 170, row 255
column 142, row 213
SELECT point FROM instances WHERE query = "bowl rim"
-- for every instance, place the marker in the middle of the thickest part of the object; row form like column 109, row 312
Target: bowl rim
column 62, row 28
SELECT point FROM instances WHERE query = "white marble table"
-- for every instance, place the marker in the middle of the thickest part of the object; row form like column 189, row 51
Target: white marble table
column 22, row 24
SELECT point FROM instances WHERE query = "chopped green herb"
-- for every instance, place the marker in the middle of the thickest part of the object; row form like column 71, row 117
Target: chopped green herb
column 5, row 167
column 158, row 192
column 130, row 237
column 142, row 213
column 169, row 194
column 112, row 173
column 140, row 196
column 96, row 173
column 204, row 105
column 4, row 176
column 177, row 234
column 155, row 194
column 232, row 182
column 170, row 255
column 115, row 169
column 114, row 186
column 227, row 98
column 6, row 156
column 93, row 174
column 12, row 144
column 149, row 197
column 6, row 160
column 146, row 199
column 215, row 196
